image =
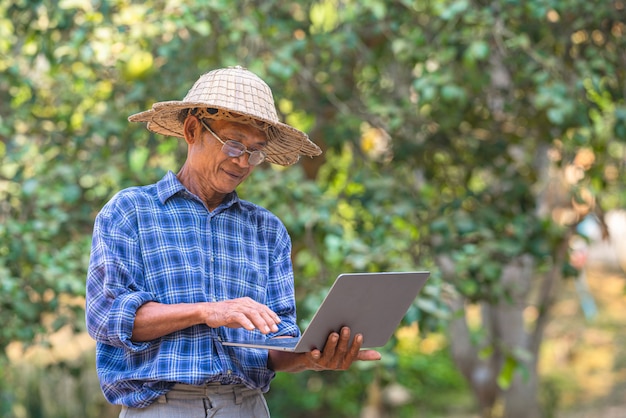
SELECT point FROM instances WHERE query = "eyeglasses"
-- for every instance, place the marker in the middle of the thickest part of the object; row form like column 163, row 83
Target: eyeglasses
column 236, row 149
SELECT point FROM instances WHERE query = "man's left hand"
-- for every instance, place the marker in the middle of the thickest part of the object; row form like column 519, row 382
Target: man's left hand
column 338, row 354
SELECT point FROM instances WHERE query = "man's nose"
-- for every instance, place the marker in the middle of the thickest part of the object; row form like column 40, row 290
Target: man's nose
column 242, row 160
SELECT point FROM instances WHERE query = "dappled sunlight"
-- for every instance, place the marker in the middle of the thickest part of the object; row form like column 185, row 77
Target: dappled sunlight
column 410, row 341
column 61, row 346
column 586, row 357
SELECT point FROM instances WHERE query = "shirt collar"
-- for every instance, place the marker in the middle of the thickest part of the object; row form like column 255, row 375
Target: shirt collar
column 169, row 186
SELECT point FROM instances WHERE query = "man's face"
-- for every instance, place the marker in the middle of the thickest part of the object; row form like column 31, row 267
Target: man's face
column 217, row 170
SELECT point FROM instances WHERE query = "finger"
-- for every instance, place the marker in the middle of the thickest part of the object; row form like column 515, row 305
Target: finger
column 344, row 340
column 272, row 320
column 330, row 347
column 315, row 354
column 324, row 360
column 244, row 321
column 334, row 353
column 356, row 346
column 341, row 348
column 368, row 355
column 346, row 354
column 270, row 317
column 250, row 315
column 262, row 321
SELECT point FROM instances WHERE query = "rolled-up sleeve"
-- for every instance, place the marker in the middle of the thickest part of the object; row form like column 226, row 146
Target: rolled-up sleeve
column 115, row 277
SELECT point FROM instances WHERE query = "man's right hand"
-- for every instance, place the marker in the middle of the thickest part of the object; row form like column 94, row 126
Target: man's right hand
column 242, row 313
column 154, row 320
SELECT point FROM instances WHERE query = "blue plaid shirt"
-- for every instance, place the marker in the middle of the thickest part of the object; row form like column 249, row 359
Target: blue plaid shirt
column 160, row 243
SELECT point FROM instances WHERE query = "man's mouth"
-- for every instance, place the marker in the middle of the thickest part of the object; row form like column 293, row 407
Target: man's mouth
column 234, row 175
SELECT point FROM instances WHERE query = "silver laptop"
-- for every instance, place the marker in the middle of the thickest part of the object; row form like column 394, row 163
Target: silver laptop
column 371, row 304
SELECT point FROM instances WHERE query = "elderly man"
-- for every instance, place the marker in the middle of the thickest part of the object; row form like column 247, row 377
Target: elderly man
column 181, row 264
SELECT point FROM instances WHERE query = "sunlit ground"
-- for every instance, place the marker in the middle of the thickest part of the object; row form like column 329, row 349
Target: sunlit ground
column 584, row 359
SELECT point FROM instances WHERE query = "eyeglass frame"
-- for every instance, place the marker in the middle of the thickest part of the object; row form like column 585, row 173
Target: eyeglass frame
column 253, row 155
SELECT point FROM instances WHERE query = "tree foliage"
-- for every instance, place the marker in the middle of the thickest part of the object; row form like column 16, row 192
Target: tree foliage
column 440, row 120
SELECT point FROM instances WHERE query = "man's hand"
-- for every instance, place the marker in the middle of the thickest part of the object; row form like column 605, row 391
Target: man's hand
column 337, row 354
column 241, row 313
column 154, row 320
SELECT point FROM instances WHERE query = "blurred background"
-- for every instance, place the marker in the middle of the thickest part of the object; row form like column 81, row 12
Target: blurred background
column 482, row 140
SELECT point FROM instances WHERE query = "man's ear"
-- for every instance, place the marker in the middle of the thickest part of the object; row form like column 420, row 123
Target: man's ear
column 192, row 129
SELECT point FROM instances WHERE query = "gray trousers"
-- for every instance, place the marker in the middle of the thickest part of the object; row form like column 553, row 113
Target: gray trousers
column 185, row 401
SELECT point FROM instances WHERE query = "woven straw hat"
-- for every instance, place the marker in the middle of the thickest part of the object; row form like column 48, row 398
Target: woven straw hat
column 238, row 95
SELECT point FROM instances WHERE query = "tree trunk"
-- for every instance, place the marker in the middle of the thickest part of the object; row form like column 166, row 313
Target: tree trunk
column 520, row 399
column 505, row 337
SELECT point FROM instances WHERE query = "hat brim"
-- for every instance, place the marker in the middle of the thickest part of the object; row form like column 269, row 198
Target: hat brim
column 285, row 144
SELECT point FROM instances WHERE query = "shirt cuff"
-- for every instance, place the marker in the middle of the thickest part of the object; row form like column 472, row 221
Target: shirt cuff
column 122, row 319
column 291, row 330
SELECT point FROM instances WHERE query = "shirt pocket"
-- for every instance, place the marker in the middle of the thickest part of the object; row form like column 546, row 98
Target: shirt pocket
column 246, row 282
column 175, row 274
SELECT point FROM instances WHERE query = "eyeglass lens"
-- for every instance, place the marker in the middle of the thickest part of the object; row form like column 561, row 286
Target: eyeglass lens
column 236, row 149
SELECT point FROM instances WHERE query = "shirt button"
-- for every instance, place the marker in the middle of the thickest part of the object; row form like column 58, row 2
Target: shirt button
column 229, row 372
column 212, row 259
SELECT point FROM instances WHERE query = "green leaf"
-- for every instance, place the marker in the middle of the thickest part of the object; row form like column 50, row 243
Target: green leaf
column 507, row 372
